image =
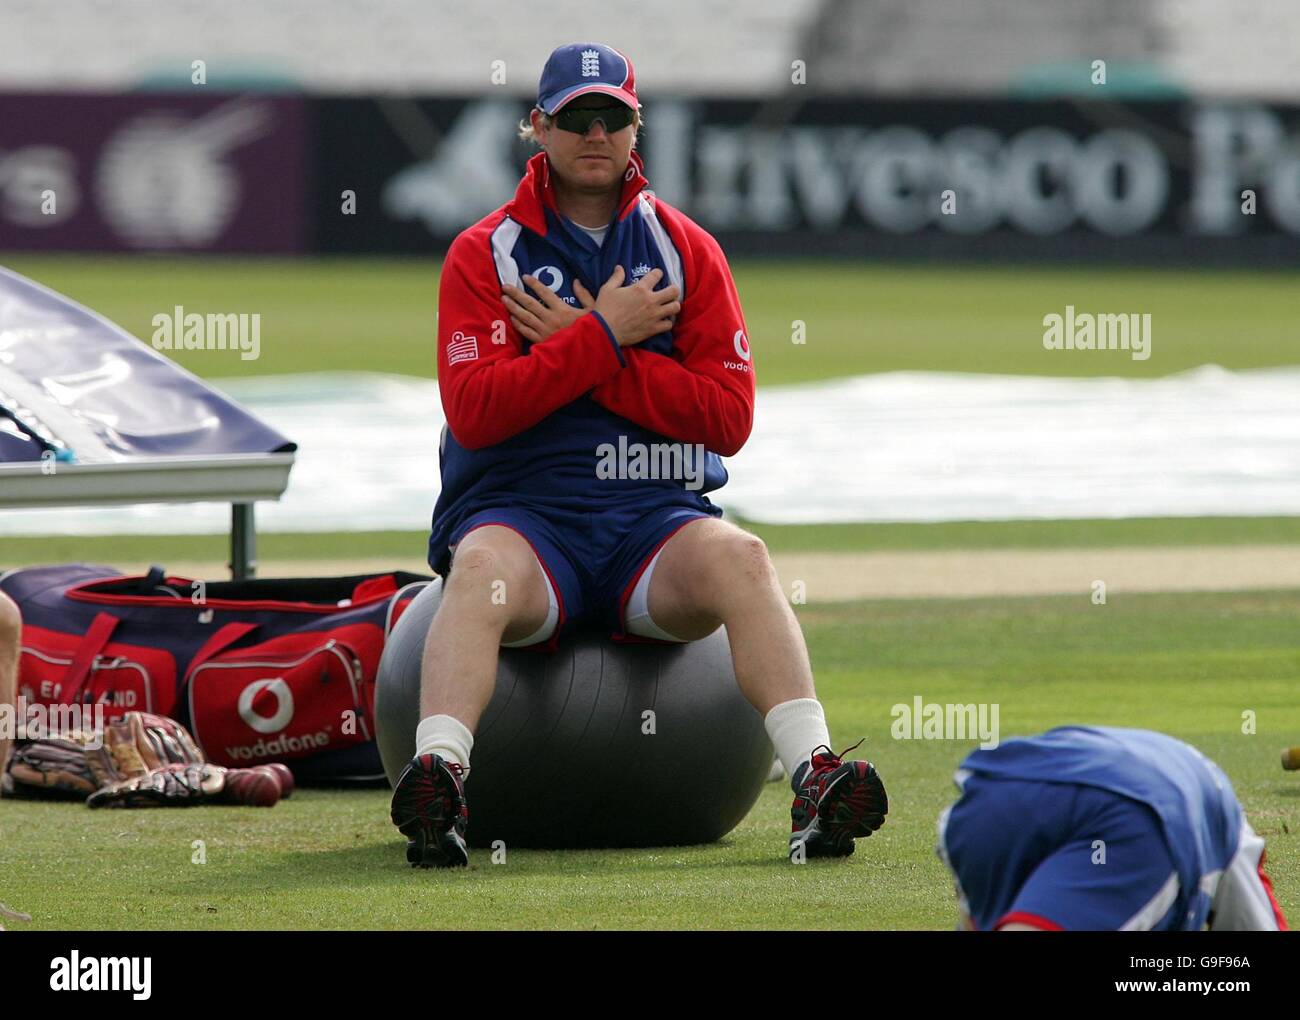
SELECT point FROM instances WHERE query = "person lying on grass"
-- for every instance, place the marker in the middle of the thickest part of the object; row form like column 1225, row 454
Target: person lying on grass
column 1099, row 828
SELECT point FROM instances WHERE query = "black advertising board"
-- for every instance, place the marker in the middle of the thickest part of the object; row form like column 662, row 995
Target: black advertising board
column 1182, row 182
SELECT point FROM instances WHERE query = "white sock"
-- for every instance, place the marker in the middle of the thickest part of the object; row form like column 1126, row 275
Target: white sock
column 446, row 736
column 797, row 728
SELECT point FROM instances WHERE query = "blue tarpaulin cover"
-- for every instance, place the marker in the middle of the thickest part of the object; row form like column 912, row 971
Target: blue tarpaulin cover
column 74, row 384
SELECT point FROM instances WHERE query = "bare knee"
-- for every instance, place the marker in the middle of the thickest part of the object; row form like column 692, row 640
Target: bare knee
column 734, row 562
column 495, row 573
column 715, row 566
column 481, row 563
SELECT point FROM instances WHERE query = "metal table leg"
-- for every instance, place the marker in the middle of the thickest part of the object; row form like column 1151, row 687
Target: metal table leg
column 243, row 541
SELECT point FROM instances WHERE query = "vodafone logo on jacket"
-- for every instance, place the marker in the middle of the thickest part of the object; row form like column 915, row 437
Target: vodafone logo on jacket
column 549, row 276
column 741, row 343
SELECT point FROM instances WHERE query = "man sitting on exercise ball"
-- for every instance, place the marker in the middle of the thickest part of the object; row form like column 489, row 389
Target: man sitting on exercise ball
column 584, row 328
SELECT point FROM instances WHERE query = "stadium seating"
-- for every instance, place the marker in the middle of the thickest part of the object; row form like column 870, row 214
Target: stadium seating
column 697, row 46
column 398, row 46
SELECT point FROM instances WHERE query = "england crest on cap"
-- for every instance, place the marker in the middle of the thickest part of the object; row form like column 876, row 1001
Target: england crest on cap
column 580, row 69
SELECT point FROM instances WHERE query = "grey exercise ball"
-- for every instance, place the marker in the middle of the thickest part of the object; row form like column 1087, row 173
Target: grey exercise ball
column 562, row 757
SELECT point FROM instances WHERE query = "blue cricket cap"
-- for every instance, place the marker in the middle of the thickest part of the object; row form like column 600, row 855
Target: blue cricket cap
column 579, row 69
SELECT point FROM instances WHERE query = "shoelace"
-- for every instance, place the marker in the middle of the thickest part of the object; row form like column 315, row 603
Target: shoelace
column 456, row 767
column 460, row 770
column 835, row 760
column 832, row 754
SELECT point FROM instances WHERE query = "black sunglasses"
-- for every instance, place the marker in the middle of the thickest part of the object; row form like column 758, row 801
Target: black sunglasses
column 579, row 121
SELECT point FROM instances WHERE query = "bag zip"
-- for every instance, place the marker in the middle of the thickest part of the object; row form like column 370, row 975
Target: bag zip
column 122, row 662
column 117, row 662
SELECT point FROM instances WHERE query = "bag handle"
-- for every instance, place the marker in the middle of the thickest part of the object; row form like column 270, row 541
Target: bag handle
column 374, row 587
column 222, row 639
column 97, row 634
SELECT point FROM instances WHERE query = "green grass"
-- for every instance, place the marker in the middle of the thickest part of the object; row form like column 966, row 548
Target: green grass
column 1136, row 531
column 349, row 314
column 1190, row 665
column 115, row 549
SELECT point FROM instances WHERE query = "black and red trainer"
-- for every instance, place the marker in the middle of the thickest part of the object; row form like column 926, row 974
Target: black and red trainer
column 835, row 802
column 429, row 809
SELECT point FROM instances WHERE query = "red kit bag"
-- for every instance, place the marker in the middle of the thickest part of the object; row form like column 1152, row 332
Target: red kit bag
column 259, row 670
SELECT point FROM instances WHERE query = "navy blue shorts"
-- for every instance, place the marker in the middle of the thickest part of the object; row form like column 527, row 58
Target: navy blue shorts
column 598, row 565
column 1058, row 856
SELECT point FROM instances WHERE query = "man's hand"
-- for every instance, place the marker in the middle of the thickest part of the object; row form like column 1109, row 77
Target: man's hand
column 536, row 318
column 633, row 313
column 637, row 312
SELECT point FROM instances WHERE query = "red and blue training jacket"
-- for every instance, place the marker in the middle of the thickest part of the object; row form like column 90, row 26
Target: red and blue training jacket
column 526, row 421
